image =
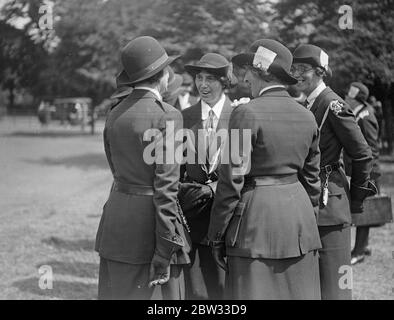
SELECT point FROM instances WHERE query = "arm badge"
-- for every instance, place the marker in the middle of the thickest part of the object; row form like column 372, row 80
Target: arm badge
column 336, row 106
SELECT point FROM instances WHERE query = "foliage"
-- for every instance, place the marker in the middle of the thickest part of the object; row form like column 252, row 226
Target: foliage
column 81, row 56
column 364, row 53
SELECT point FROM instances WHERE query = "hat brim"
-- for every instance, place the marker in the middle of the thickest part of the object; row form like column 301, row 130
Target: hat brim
column 123, row 78
column 193, row 69
column 121, row 92
column 244, row 59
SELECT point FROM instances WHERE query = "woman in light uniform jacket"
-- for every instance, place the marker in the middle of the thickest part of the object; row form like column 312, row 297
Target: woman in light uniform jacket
column 263, row 217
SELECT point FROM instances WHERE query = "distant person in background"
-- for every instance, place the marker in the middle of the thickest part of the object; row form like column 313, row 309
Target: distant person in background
column 44, row 113
column 365, row 116
column 184, row 95
column 174, row 88
column 377, row 106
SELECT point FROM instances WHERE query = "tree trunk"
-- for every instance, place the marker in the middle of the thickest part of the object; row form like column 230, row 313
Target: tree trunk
column 11, row 98
column 92, row 122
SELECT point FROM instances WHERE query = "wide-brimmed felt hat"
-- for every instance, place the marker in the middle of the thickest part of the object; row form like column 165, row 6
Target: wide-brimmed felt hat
column 142, row 58
column 311, row 54
column 174, row 82
column 358, row 91
column 215, row 64
column 211, row 62
column 268, row 55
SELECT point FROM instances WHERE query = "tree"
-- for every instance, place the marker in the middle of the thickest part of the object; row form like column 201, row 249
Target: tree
column 364, row 53
column 20, row 60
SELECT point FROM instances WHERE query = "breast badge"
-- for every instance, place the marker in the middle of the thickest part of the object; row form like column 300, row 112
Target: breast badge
column 336, row 106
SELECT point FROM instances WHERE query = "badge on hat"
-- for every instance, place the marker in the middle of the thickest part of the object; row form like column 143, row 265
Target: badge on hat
column 263, row 58
column 353, row 92
column 324, row 60
column 336, row 106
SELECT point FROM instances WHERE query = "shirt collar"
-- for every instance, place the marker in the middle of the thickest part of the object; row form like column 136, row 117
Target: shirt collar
column 271, row 87
column 315, row 93
column 357, row 109
column 154, row 91
column 217, row 108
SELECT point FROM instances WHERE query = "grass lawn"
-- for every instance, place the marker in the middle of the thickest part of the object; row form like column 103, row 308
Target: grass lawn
column 54, row 182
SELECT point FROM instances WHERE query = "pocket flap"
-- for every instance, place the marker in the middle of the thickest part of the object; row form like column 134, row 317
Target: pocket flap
column 335, row 189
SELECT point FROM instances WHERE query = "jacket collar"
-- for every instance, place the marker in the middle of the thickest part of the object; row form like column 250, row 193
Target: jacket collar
column 217, row 108
column 275, row 92
column 276, row 86
column 142, row 94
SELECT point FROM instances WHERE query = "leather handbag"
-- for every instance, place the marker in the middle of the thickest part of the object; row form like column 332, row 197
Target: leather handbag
column 195, row 199
column 377, row 212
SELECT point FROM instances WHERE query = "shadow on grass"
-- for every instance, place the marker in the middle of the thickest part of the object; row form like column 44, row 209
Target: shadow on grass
column 52, row 134
column 71, row 245
column 61, row 289
column 75, row 268
column 84, row 161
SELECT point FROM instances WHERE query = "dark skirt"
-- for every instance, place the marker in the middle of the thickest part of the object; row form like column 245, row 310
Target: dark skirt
column 204, row 279
column 124, row 281
column 274, row 279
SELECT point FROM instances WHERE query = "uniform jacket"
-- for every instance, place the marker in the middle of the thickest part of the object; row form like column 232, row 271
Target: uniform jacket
column 197, row 171
column 340, row 131
column 134, row 227
column 269, row 221
column 369, row 126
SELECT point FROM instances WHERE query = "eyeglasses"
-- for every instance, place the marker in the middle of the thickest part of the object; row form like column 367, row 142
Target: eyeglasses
column 300, row 69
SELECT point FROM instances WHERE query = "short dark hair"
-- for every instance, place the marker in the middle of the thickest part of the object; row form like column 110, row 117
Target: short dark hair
column 266, row 75
column 218, row 76
column 153, row 79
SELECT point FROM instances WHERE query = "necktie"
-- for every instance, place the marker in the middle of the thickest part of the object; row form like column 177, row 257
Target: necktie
column 306, row 103
column 210, row 135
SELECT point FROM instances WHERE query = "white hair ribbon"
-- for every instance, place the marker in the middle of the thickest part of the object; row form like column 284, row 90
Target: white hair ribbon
column 263, row 58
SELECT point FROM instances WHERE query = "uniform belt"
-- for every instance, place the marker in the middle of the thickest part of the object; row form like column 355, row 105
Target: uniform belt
column 134, row 189
column 330, row 167
column 272, row 180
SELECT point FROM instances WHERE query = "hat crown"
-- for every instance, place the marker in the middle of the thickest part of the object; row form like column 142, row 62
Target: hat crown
column 214, row 59
column 311, row 54
column 142, row 53
column 283, row 57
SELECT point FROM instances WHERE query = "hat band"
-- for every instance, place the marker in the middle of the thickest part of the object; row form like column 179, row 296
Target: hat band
column 153, row 66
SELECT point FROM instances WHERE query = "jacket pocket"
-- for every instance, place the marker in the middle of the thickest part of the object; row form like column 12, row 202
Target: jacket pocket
column 235, row 224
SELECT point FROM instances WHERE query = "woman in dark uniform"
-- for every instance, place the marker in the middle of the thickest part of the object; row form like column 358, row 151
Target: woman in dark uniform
column 263, row 217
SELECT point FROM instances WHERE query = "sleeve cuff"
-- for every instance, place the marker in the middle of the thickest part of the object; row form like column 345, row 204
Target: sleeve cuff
column 166, row 245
